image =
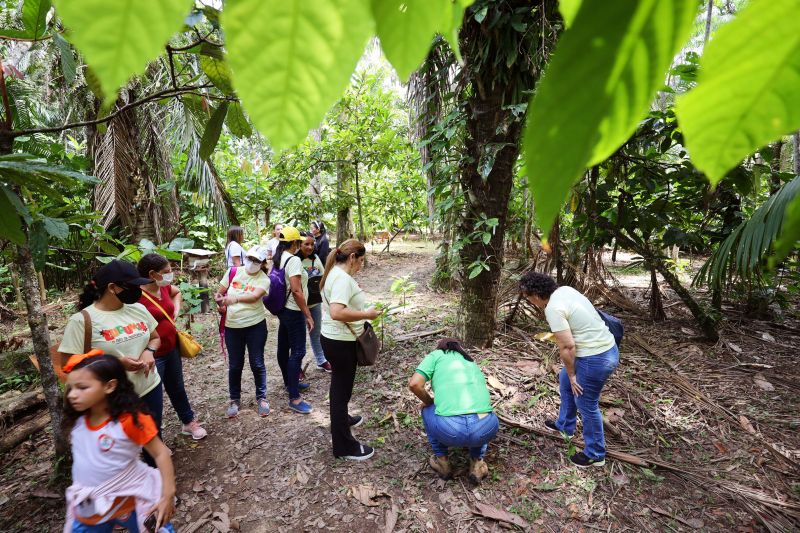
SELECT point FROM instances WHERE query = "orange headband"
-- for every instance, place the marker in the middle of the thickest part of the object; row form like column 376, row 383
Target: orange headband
column 78, row 357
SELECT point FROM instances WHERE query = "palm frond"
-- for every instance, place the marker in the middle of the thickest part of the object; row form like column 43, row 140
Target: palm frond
column 741, row 256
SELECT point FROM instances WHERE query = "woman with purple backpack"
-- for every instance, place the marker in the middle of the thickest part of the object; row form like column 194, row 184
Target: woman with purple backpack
column 239, row 295
column 294, row 317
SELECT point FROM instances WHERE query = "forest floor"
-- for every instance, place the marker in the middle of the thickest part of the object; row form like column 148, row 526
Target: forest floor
column 704, row 436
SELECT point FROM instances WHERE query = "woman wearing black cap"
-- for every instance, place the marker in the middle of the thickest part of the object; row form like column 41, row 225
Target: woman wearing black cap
column 321, row 245
column 120, row 326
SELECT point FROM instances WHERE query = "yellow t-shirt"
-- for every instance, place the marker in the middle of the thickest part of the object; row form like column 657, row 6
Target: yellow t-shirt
column 569, row 309
column 294, row 267
column 124, row 332
column 240, row 314
column 341, row 288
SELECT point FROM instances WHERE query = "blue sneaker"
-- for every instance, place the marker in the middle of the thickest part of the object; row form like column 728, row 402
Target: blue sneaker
column 303, row 407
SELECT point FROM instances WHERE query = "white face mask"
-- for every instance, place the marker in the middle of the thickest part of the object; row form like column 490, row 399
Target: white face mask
column 166, row 279
column 251, row 267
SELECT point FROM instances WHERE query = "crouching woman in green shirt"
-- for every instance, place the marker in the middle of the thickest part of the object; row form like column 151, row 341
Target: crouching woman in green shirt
column 461, row 414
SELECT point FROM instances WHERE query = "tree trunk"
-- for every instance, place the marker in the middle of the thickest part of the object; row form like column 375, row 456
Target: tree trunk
column 343, row 221
column 37, row 322
column 709, row 16
column 362, row 236
column 708, row 325
column 555, row 245
column 657, row 313
column 796, row 155
column 492, row 129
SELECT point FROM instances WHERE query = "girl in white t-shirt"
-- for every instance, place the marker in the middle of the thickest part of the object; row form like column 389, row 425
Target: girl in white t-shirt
column 109, row 425
column 234, row 253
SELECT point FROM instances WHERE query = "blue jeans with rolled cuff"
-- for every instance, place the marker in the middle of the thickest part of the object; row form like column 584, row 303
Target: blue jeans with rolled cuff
column 291, row 348
column 170, row 368
column 253, row 338
column 460, row 431
column 591, row 372
column 313, row 335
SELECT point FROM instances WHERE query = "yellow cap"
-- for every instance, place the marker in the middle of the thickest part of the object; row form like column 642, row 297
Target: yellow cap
column 289, row 234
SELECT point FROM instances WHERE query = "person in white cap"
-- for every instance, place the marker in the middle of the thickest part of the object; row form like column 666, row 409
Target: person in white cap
column 240, row 292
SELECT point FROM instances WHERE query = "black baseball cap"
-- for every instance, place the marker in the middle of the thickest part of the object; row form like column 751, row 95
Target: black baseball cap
column 119, row 272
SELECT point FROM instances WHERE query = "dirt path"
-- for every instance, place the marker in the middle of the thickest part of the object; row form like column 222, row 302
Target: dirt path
column 278, row 474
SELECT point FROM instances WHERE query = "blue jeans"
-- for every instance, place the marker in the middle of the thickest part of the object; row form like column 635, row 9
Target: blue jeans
column 154, row 400
column 459, row 431
column 592, row 373
column 313, row 335
column 291, row 348
column 128, row 523
column 253, row 338
column 170, row 368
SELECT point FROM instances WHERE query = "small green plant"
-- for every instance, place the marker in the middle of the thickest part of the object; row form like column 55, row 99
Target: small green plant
column 402, row 286
column 528, row 509
column 18, row 381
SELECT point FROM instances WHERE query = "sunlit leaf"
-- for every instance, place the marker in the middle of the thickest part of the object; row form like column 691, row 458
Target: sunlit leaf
column 237, row 122
column 790, row 233
column 292, row 59
column 218, row 72
column 34, row 17
column 118, row 38
column 568, row 9
column 748, row 90
column 584, row 110
column 407, row 27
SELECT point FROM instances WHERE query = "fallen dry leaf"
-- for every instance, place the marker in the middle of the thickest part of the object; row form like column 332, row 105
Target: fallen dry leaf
column 391, row 519
column 614, row 414
column 545, row 336
column 721, row 447
column 198, row 486
column 746, row 425
column 489, row 511
column 762, row 383
column 767, row 337
column 495, row 383
column 734, row 347
column 366, row 493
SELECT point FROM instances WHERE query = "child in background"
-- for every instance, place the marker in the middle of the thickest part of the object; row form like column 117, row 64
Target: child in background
column 109, row 425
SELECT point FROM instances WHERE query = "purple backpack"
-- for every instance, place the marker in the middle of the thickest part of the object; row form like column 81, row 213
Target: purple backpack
column 279, row 293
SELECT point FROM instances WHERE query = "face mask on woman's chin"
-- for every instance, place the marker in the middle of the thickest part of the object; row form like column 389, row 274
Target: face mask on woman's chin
column 251, row 267
column 166, row 279
column 129, row 295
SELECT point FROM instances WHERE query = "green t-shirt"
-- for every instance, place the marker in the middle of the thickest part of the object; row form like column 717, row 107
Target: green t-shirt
column 241, row 314
column 122, row 333
column 458, row 385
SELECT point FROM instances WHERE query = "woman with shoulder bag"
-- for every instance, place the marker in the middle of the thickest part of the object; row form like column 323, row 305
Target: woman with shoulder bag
column 163, row 300
column 315, row 269
column 344, row 311
column 122, row 327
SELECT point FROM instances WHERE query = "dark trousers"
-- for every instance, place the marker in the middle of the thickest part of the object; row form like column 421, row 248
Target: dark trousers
column 342, row 357
column 291, row 348
column 170, row 368
column 154, row 401
column 253, row 338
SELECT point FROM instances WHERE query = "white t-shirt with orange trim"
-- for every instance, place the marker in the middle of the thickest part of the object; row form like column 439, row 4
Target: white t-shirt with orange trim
column 101, row 452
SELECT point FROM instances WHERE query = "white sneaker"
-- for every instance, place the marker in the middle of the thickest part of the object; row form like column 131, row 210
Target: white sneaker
column 194, row 429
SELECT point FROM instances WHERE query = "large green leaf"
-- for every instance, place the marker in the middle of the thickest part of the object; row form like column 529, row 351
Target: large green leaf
column 34, row 17
column 292, row 59
column 56, row 228
column 568, row 9
column 601, row 81
column 406, row 29
column 68, row 66
column 218, row 72
column 10, row 222
column 237, row 122
column 37, row 241
column 118, row 38
column 748, row 90
column 790, row 233
column 213, row 129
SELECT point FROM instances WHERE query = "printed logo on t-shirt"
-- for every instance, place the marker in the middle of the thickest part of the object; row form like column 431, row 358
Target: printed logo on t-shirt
column 244, row 288
column 122, row 334
column 105, row 442
column 313, row 271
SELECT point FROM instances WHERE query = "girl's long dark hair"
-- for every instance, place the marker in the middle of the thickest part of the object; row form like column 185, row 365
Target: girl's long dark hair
column 151, row 262
column 235, row 233
column 91, row 293
column 282, row 247
column 454, row 345
column 123, row 400
column 340, row 255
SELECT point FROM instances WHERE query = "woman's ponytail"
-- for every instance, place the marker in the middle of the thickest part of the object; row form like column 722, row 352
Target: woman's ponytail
column 89, row 295
column 454, row 345
column 340, row 255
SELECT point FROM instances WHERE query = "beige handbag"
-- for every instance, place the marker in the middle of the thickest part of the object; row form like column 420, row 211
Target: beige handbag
column 188, row 347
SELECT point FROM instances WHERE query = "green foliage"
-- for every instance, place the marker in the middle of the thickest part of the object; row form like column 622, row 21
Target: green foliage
column 292, row 59
column 406, row 29
column 748, row 91
column 569, row 10
column 790, row 233
column 402, row 286
column 237, row 122
column 609, row 88
column 213, row 129
column 34, row 17
column 119, row 38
